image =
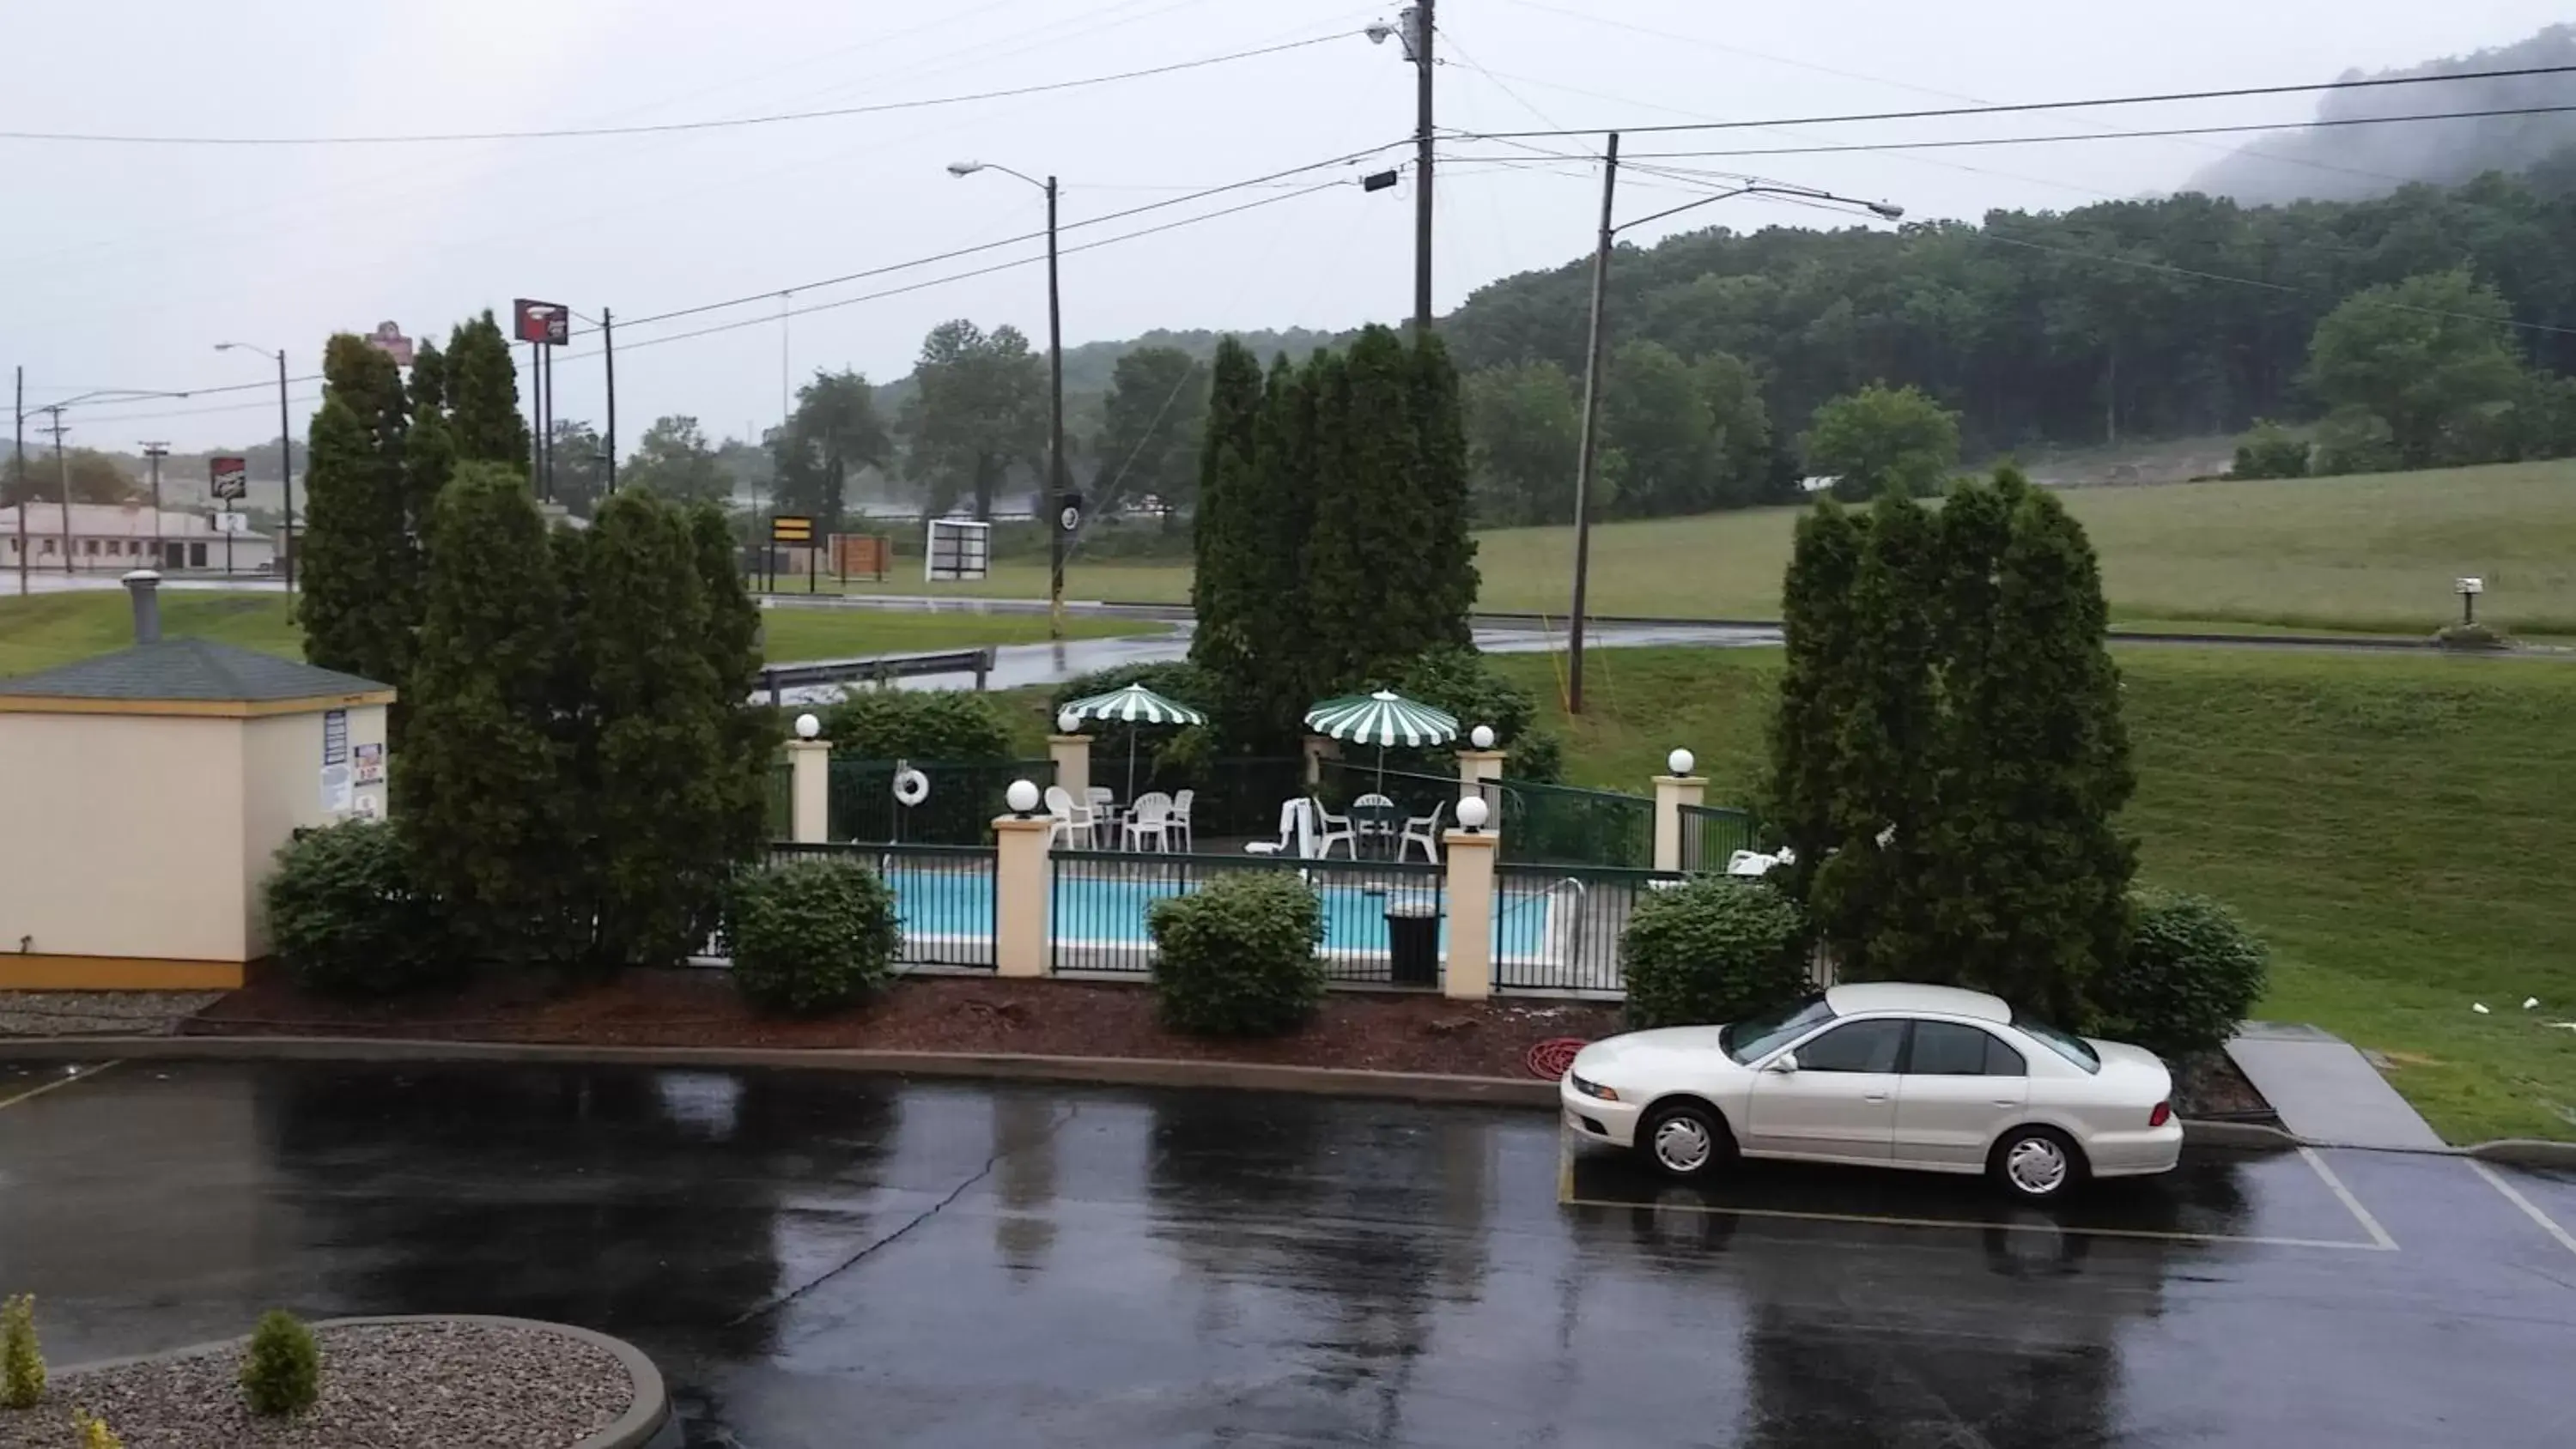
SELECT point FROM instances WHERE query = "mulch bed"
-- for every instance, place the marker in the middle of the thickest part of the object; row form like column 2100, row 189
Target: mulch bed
column 1367, row 1030
column 430, row 1385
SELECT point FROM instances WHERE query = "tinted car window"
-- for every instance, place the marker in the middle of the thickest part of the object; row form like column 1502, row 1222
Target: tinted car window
column 2003, row 1061
column 1948, row 1049
column 1862, row 1046
column 1756, row 1037
column 2066, row 1044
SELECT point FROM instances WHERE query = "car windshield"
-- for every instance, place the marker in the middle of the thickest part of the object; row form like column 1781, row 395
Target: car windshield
column 2066, row 1044
column 1756, row 1037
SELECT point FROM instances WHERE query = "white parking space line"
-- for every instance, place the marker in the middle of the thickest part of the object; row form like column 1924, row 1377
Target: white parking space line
column 55, row 1085
column 2378, row 1234
column 2513, row 1195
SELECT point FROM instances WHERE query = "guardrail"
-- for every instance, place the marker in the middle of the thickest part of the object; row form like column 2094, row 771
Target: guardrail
column 874, row 669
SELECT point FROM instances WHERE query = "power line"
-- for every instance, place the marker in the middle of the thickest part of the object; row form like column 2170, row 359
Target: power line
column 1943, row 145
column 663, row 127
column 2027, row 107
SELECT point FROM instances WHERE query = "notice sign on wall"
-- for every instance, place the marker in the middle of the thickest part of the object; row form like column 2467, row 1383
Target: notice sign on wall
column 338, row 794
column 335, row 737
column 371, row 764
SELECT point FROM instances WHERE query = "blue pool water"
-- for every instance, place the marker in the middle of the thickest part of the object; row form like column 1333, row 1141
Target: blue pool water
column 938, row 903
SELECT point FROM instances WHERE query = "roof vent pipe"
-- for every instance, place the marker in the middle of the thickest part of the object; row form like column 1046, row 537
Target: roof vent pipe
column 145, row 586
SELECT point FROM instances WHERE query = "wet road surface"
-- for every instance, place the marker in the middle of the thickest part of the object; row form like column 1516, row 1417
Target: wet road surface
column 819, row 1259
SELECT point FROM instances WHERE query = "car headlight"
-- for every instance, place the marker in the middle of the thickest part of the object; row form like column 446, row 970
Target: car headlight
column 1592, row 1089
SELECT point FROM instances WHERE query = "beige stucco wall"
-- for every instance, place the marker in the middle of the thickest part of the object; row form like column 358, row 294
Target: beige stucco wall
column 122, row 837
column 281, row 770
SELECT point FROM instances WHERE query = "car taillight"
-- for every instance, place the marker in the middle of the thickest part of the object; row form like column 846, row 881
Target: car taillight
column 2160, row 1116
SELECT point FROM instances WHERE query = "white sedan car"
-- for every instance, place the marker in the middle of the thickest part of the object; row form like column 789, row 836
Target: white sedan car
column 1884, row 1075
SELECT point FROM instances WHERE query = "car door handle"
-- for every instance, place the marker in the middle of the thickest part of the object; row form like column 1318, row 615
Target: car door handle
column 2007, row 1101
column 1873, row 1096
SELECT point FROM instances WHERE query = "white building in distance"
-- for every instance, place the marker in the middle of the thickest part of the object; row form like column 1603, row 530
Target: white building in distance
column 114, row 537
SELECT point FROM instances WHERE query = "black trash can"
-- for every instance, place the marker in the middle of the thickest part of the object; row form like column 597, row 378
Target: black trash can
column 1413, row 940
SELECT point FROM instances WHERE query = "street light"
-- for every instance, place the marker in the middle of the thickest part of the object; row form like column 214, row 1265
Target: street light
column 1055, row 489
column 1592, row 371
column 285, row 456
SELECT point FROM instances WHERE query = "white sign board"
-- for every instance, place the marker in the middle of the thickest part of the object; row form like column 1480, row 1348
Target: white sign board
column 956, row 550
column 339, row 794
column 231, row 522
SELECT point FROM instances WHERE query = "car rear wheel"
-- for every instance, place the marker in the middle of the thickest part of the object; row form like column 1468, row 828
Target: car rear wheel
column 1685, row 1141
column 2038, row 1164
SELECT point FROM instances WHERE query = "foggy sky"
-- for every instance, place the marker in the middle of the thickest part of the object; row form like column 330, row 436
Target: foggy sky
column 123, row 266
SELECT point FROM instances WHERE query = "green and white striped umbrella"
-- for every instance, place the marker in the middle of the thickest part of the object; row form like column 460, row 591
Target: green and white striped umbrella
column 1134, row 705
column 1382, row 719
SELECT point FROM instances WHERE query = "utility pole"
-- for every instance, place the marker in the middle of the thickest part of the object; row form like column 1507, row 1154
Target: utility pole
column 1055, row 502
column 27, row 496
column 153, row 453
column 608, row 352
column 63, row 465
column 1591, row 432
column 1417, row 40
column 286, row 476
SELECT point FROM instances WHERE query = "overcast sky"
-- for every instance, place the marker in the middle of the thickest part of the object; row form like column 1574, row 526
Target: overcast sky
column 124, row 265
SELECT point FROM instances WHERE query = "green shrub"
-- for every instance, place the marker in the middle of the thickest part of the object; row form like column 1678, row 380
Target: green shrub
column 93, row 1432
column 346, row 917
column 2354, row 441
column 811, row 935
column 918, row 725
column 2471, row 636
column 1237, row 958
column 1713, row 949
column 2191, row 973
column 22, row 1362
column 281, row 1373
column 2270, row 452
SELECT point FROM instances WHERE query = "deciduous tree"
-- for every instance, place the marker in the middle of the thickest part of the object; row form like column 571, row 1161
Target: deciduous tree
column 1150, row 428
column 978, row 409
column 673, row 460
column 1882, row 439
column 2428, row 357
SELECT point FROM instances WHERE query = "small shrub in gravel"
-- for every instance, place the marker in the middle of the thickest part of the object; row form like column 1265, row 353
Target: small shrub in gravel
column 1237, row 958
column 282, row 1371
column 811, row 935
column 345, row 917
column 94, row 1433
column 2191, row 973
column 1714, row 949
column 22, row 1363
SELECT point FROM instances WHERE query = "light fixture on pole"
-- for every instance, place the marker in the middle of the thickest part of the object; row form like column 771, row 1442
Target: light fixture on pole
column 1592, row 372
column 285, row 459
column 1063, row 511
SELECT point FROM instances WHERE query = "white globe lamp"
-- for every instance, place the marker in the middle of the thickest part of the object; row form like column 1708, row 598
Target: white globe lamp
column 807, row 726
column 1680, row 762
column 1022, row 797
column 1473, row 812
column 1482, row 737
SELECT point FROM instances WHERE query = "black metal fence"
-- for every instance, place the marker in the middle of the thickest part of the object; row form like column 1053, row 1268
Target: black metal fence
column 1557, row 928
column 1711, row 833
column 944, row 896
column 959, row 810
column 1562, row 825
column 1385, row 924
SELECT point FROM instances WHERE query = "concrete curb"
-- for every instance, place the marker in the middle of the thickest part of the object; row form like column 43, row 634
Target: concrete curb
column 1004, row 1066
column 631, row 1430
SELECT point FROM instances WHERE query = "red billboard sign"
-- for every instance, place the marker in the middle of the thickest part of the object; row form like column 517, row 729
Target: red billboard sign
column 546, row 322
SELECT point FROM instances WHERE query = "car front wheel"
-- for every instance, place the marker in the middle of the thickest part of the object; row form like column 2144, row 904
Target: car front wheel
column 2038, row 1164
column 1685, row 1141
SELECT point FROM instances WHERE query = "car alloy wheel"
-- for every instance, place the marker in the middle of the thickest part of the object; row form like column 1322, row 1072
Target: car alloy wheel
column 2037, row 1165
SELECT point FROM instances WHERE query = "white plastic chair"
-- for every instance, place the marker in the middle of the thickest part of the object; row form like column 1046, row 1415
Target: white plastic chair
column 1067, row 822
column 1330, row 827
column 1149, row 818
column 1422, row 830
column 1293, row 830
column 1180, row 828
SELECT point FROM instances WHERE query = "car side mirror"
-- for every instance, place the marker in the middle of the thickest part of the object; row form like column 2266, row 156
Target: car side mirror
column 1785, row 1062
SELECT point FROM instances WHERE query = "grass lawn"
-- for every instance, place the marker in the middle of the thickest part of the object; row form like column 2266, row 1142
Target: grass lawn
column 50, row 629
column 2373, row 554
column 2400, row 830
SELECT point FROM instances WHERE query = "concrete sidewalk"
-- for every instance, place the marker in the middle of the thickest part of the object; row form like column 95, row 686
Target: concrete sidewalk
column 2324, row 1090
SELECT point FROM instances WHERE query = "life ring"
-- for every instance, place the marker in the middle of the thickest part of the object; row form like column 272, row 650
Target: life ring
column 911, row 787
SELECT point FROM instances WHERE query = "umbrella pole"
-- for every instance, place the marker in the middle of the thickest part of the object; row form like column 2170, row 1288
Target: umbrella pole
column 1131, row 764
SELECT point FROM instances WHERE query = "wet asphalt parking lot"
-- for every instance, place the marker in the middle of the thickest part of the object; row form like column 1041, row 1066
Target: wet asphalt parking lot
column 821, row 1259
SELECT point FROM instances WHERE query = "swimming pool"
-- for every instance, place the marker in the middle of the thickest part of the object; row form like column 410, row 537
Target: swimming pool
column 1110, row 911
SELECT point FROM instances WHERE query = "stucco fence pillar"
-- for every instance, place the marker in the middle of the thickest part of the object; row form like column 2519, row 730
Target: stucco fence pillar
column 1470, row 973
column 1022, row 892
column 809, row 791
column 1672, row 792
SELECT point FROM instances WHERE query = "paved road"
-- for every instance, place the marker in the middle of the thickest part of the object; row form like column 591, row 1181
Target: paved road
column 822, row 1260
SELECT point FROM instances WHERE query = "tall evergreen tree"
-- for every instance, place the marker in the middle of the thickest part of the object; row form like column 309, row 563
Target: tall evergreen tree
column 1815, row 687
column 732, row 649
column 1226, row 544
column 659, row 788
column 1447, row 559
column 360, row 603
column 480, row 384
column 481, row 785
column 1871, row 897
column 1364, row 576
column 1285, row 677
